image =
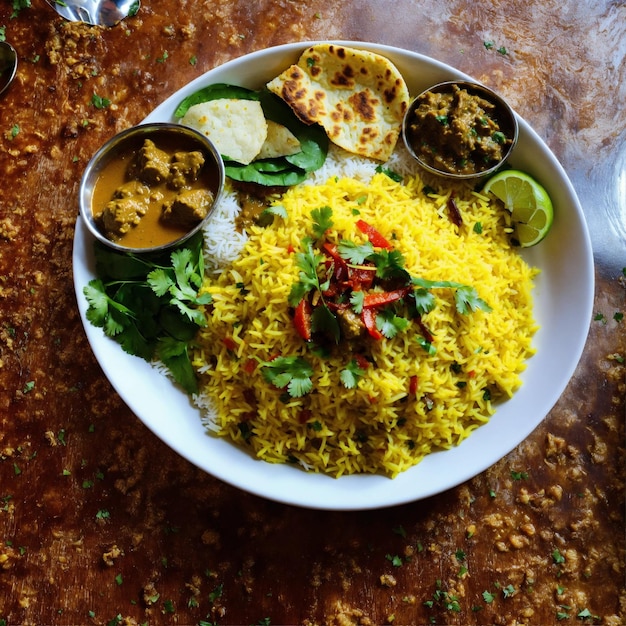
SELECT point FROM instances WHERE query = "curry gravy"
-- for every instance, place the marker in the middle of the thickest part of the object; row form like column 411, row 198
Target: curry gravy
column 132, row 200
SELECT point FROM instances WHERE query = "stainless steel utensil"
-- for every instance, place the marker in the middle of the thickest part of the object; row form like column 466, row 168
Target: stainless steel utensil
column 8, row 64
column 95, row 12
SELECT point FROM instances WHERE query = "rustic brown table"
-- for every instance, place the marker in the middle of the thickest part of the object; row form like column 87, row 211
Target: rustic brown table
column 101, row 523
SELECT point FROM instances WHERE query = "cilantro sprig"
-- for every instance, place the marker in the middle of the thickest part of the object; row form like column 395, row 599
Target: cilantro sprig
column 351, row 374
column 308, row 261
column 466, row 298
column 291, row 372
column 150, row 306
column 181, row 283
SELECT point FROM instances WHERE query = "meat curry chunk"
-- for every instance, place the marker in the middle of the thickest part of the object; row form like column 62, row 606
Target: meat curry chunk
column 153, row 164
column 129, row 204
column 185, row 168
column 188, row 208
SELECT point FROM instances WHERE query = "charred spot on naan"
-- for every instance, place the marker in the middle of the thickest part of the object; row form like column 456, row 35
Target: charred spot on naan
column 357, row 96
column 364, row 105
column 308, row 106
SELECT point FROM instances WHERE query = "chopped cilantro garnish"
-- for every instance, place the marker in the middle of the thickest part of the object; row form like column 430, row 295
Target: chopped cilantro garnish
column 291, row 372
column 499, row 137
column 508, row 591
column 488, row 597
column 100, row 102
column 351, row 374
column 366, row 285
column 390, row 324
column 390, row 173
column 466, row 298
column 355, row 253
column 308, row 262
column 322, row 221
column 395, row 560
column 426, row 345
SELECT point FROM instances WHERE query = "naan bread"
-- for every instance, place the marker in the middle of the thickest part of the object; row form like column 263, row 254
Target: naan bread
column 237, row 128
column 358, row 97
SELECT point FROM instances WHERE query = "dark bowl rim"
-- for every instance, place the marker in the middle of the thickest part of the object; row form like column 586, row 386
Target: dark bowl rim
column 500, row 102
column 100, row 157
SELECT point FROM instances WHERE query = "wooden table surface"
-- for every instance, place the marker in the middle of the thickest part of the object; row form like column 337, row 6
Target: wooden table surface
column 101, row 523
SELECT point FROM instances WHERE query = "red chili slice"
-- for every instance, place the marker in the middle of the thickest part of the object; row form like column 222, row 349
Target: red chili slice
column 341, row 268
column 425, row 332
column 302, row 319
column 381, row 298
column 249, row 366
column 361, row 278
column 362, row 362
column 453, row 211
column 230, row 343
column 368, row 316
column 375, row 238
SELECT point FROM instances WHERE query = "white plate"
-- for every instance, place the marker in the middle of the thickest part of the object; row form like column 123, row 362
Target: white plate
column 563, row 307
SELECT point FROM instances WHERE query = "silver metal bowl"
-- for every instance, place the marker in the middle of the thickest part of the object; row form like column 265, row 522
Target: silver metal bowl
column 123, row 145
column 502, row 113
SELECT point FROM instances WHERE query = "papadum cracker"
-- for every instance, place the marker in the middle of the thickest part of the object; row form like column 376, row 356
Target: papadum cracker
column 280, row 141
column 237, row 128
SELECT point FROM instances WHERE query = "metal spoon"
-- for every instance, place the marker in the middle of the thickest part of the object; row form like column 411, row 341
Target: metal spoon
column 8, row 64
column 95, row 12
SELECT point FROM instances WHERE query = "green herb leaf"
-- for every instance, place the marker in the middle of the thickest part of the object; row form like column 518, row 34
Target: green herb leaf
column 322, row 221
column 426, row 345
column 424, row 301
column 508, row 591
column 390, row 324
column 390, row 173
column 557, row 557
column 277, row 210
column 99, row 102
column 390, row 265
column 174, row 354
column 324, row 321
column 151, row 306
column 356, row 301
column 467, row 300
column 395, row 560
column 488, row 597
column 355, row 253
column 291, row 372
column 308, row 262
column 351, row 374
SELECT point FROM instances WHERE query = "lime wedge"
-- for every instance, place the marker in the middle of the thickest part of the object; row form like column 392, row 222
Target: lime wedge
column 529, row 204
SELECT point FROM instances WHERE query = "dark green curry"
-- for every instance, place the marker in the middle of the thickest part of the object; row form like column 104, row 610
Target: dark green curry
column 457, row 132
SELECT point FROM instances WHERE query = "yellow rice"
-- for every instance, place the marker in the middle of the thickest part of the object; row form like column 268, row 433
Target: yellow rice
column 377, row 427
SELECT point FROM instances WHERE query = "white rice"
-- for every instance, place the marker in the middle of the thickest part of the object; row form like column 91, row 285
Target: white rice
column 224, row 243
